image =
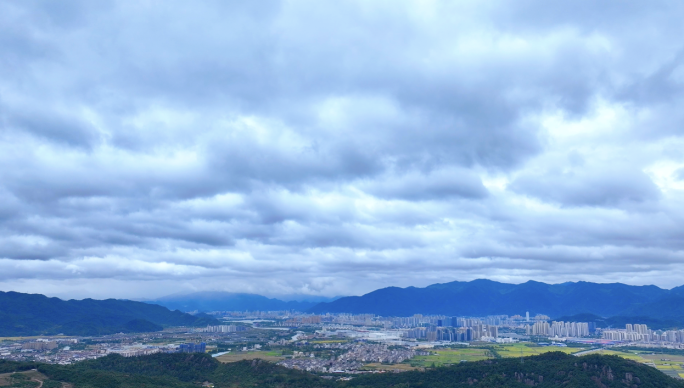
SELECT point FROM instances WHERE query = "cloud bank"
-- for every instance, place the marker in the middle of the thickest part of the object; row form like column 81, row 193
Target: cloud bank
column 287, row 147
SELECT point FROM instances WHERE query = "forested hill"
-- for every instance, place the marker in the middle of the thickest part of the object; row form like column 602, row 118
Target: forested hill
column 34, row 314
column 547, row 370
column 486, row 297
column 190, row 370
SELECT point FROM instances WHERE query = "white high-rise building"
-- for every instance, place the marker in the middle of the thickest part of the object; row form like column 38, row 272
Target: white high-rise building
column 540, row 328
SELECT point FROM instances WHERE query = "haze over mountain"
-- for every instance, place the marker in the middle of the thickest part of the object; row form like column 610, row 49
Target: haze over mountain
column 485, row 297
column 226, row 301
column 34, row 314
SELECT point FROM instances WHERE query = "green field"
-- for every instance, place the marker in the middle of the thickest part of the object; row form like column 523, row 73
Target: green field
column 273, row 356
column 522, row 349
column 451, row 356
column 474, row 353
column 667, row 363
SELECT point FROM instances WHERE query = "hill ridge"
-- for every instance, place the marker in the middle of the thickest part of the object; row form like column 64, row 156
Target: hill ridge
column 483, row 297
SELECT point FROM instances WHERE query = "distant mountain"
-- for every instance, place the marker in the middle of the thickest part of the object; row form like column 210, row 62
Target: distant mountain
column 227, row 301
column 678, row 291
column 670, row 306
column 34, row 314
column 485, row 297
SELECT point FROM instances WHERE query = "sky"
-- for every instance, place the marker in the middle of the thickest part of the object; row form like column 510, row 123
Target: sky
column 289, row 147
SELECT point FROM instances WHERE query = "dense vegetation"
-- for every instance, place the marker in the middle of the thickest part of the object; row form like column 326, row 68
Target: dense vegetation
column 186, row 367
column 33, row 314
column 554, row 369
column 13, row 366
column 190, row 370
column 486, row 297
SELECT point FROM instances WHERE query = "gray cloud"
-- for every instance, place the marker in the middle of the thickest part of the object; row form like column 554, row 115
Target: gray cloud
column 605, row 187
column 306, row 147
column 443, row 184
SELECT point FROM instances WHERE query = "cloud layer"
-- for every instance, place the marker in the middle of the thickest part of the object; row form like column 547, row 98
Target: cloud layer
column 284, row 147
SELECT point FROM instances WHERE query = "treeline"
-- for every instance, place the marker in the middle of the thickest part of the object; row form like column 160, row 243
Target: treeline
column 554, row 369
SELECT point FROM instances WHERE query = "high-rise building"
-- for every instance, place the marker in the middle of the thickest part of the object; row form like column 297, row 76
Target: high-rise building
column 540, row 328
column 592, row 327
column 527, row 316
column 193, row 348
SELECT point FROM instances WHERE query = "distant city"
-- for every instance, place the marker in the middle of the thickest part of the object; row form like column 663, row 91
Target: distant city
column 371, row 337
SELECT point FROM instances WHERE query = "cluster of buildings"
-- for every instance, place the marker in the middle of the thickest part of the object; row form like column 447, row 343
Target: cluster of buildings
column 223, row 329
column 306, row 320
column 321, row 365
column 561, row 329
column 353, row 359
column 134, row 351
column 40, row 345
column 192, row 348
column 476, row 332
column 377, row 353
column 419, row 320
column 641, row 333
column 53, row 351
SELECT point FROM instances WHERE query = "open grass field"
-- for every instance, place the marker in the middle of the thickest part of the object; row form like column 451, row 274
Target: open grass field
column 521, row 349
column 28, row 338
column 671, row 365
column 451, row 356
column 239, row 356
column 337, row 341
column 391, row 368
column 474, row 353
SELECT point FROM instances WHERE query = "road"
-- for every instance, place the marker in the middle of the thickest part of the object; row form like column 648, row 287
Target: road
column 587, row 352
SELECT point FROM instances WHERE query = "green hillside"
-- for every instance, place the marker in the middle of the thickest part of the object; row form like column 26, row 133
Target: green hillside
column 34, row 314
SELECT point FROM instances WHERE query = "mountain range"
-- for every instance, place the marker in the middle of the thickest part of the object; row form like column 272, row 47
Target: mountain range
column 227, row 301
column 610, row 304
column 486, row 297
column 34, row 314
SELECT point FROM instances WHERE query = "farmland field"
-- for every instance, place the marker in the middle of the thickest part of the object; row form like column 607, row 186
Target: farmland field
column 474, row 353
column 521, row 349
column 239, row 356
column 451, row 356
column 393, row 367
column 671, row 365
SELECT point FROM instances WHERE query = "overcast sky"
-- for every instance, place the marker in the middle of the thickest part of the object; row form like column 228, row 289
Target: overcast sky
column 336, row 147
